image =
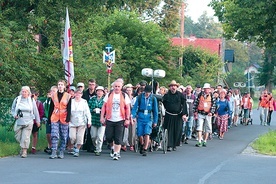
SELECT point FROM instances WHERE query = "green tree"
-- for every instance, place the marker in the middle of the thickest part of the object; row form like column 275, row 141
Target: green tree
column 206, row 27
column 138, row 45
column 267, row 75
column 247, row 20
column 250, row 20
column 200, row 66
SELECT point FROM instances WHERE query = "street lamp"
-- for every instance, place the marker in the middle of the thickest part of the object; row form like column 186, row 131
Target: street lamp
column 148, row 72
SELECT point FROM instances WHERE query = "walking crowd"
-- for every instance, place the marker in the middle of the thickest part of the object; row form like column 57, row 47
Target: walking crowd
column 77, row 118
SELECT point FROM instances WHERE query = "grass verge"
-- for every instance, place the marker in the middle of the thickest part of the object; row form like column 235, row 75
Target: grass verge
column 10, row 147
column 266, row 143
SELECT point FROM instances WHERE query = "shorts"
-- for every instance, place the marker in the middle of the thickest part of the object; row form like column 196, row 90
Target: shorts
column 237, row 110
column 144, row 128
column 48, row 128
column 204, row 123
column 35, row 128
column 246, row 113
column 114, row 132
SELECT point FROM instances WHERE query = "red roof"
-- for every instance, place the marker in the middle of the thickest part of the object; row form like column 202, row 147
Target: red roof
column 210, row 45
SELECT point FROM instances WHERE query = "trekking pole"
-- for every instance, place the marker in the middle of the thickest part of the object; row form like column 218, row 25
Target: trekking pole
column 11, row 126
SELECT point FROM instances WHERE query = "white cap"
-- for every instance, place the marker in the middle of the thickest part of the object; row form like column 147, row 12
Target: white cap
column 80, row 84
column 100, row 88
column 72, row 88
column 206, row 85
column 128, row 86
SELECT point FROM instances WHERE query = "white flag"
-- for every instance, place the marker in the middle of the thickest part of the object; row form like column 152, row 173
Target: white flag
column 68, row 52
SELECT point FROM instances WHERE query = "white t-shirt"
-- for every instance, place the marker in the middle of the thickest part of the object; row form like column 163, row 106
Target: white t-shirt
column 115, row 114
column 237, row 99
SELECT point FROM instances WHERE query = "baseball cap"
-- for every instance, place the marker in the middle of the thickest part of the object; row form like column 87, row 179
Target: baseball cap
column 72, row 88
column 80, row 84
column 148, row 89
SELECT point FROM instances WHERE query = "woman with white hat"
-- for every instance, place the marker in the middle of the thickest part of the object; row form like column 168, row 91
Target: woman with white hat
column 97, row 128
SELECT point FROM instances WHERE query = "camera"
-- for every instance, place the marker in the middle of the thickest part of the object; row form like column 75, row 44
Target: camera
column 19, row 113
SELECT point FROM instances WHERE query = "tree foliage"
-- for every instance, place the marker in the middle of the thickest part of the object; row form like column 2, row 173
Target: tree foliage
column 138, row 43
column 267, row 75
column 199, row 66
column 247, row 20
column 251, row 21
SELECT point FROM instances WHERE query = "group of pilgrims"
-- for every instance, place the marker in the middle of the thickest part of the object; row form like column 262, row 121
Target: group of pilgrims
column 84, row 119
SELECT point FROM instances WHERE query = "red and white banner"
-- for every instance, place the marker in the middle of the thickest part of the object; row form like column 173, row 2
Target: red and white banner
column 68, row 52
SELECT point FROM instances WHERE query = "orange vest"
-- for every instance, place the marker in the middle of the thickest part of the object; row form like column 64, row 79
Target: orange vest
column 109, row 106
column 249, row 102
column 60, row 108
column 205, row 104
column 265, row 101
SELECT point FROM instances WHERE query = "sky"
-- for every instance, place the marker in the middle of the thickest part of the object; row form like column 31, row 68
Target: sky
column 195, row 8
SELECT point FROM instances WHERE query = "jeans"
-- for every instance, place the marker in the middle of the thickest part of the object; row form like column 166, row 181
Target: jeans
column 97, row 135
column 263, row 115
column 188, row 127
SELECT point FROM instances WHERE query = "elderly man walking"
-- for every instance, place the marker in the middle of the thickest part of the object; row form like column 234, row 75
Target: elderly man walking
column 204, row 108
column 176, row 113
column 115, row 114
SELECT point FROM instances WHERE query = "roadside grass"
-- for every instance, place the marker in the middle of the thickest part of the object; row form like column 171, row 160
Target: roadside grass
column 266, row 143
column 9, row 146
column 255, row 103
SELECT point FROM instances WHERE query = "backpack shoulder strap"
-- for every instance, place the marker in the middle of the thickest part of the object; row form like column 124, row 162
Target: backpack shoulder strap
column 139, row 98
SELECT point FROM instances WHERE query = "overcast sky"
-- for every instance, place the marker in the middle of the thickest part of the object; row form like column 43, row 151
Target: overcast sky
column 195, row 8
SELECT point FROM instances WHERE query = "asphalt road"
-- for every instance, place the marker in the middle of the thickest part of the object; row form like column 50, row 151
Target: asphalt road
column 222, row 161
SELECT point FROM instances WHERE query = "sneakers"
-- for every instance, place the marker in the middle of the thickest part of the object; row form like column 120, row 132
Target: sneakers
column 48, row 150
column 61, row 155
column 33, row 151
column 53, row 154
column 198, row 144
column 76, row 154
column 204, row 144
column 71, row 151
column 97, row 153
column 112, row 153
column 169, row 149
column 116, row 156
column 174, row 149
column 24, row 155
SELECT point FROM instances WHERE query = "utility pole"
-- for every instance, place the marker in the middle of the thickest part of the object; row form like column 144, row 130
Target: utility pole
column 182, row 18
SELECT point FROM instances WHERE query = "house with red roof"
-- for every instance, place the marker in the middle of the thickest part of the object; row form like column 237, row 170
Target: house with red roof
column 213, row 46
